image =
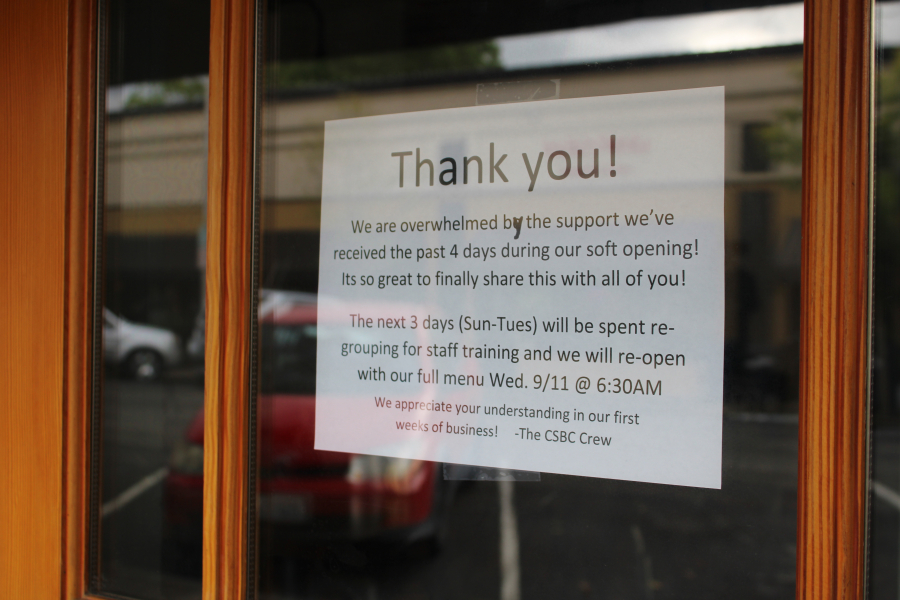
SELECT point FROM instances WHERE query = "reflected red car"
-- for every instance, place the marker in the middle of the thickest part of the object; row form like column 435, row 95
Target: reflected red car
column 307, row 495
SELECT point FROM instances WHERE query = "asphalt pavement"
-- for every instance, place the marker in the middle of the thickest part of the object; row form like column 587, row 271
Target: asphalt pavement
column 576, row 537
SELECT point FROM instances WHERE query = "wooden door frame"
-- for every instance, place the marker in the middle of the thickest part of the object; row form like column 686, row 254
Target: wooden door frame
column 48, row 154
column 48, row 74
column 836, row 299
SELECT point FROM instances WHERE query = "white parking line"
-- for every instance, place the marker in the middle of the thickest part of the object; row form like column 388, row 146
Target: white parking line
column 644, row 562
column 134, row 491
column 885, row 493
column 509, row 544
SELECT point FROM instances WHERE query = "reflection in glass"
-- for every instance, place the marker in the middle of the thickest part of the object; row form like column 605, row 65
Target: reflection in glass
column 153, row 249
column 339, row 525
column 885, row 395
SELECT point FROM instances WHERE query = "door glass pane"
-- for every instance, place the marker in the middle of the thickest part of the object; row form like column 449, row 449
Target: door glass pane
column 147, row 528
column 334, row 524
column 885, row 396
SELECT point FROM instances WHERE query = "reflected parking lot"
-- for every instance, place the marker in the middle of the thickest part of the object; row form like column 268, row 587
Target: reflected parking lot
column 573, row 537
column 577, row 537
column 143, row 421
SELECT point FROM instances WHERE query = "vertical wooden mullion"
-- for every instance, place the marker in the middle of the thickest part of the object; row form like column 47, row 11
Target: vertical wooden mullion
column 226, row 494
column 81, row 130
column 836, row 298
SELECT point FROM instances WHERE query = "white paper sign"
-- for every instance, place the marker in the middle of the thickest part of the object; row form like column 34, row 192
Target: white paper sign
column 536, row 286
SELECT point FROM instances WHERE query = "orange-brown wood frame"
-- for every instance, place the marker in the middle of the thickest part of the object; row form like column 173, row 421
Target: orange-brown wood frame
column 229, row 281
column 81, row 160
column 835, row 300
column 33, row 151
column 48, row 74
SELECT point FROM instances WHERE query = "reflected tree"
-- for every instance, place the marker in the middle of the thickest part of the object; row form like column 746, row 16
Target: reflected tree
column 785, row 144
column 887, row 241
column 185, row 90
column 408, row 64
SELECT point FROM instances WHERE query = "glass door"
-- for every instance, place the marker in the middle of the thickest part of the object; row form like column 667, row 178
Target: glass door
column 300, row 497
column 398, row 284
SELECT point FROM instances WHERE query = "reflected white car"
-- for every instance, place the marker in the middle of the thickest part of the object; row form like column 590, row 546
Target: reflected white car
column 143, row 351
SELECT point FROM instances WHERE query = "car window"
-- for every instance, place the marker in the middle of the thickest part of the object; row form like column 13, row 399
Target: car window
column 294, row 369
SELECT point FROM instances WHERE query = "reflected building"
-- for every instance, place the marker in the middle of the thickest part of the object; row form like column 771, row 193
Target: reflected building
column 155, row 216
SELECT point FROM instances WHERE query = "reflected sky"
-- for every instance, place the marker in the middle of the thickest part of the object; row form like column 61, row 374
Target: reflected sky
column 716, row 31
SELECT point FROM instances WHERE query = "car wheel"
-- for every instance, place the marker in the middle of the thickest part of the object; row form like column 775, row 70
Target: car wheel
column 145, row 365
